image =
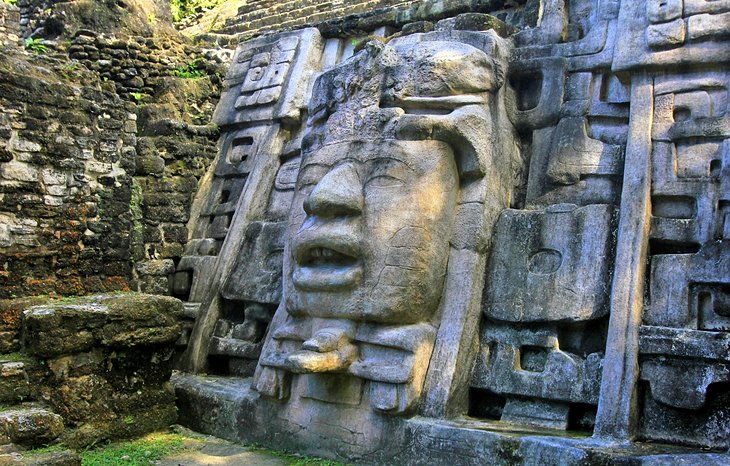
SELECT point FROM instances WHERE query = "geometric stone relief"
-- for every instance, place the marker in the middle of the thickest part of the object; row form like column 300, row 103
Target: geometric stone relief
column 261, row 104
column 672, row 33
column 689, row 280
column 452, row 221
column 547, row 286
column 549, row 273
column 551, row 265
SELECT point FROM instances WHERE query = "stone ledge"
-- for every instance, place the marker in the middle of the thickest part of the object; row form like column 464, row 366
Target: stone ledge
column 228, row 408
column 112, row 320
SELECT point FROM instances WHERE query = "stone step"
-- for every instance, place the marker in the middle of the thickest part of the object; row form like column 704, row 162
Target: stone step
column 15, row 385
column 20, row 376
column 55, row 458
column 29, row 425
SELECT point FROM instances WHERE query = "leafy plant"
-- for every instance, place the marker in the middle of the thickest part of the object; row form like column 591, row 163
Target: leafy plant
column 35, row 45
column 189, row 71
column 182, row 9
column 137, row 96
column 9, row 2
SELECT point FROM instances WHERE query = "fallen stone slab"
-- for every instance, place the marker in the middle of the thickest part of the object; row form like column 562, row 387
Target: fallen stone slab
column 31, row 427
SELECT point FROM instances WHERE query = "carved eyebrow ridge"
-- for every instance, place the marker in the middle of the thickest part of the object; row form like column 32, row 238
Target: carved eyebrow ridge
column 363, row 160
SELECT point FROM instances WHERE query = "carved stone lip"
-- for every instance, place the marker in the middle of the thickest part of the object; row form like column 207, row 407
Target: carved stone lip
column 327, row 262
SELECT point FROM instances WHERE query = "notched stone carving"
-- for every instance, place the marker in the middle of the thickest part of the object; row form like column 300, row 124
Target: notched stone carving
column 551, row 265
column 549, row 273
column 672, row 32
column 684, row 337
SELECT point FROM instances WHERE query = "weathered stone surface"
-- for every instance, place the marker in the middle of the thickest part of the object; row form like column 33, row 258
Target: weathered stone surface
column 107, row 361
column 547, row 267
column 508, row 286
column 342, row 253
column 30, row 426
column 367, row 293
column 57, row 458
column 124, row 320
column 11, row 312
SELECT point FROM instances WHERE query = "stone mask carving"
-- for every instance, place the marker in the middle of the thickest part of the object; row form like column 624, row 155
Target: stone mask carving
column 393, row 137
column 369, row 231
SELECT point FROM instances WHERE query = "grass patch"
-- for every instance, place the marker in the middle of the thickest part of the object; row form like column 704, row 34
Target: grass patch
column 43, row 450
column 15, row 357
column 138, row 452
column 298, row 460
column 157, row 445
column 181, row 9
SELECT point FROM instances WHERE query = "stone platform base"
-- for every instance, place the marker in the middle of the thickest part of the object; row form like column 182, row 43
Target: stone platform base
column 228, row 408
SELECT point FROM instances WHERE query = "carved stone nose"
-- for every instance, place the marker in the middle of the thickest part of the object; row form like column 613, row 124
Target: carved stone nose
column 339, row 192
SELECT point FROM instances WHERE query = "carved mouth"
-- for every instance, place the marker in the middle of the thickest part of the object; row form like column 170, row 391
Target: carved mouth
column 326, row 264
column 325, row 256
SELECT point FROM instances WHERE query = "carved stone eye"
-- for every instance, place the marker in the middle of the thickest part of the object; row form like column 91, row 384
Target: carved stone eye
column 545, row 261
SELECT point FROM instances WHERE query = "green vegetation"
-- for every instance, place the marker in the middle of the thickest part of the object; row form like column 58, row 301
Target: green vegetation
column 9, row 2
column 44, row 450
column 155, row 446
column 189, row 71
column 35, row 45
column 181, row 9
column 295, row 459
column 15, row 357
column 138, row 452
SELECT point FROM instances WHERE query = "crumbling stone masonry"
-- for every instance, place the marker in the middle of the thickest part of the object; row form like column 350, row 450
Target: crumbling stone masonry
column 103, row 149
column 68, row 156
column 85, row 370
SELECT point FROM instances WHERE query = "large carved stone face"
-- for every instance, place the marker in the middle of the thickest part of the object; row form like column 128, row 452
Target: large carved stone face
column 369, row 231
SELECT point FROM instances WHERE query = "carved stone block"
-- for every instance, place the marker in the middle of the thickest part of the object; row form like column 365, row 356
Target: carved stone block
column 256, row 275
column 668, row 34
column 547, row 268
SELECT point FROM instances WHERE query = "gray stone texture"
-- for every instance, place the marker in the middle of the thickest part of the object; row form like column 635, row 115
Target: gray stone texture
column 91, row 369
column 429, row 235
column 485, row 233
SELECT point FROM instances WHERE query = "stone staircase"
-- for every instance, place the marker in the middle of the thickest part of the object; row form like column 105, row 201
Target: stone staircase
column 25, row 421
column 77, row 371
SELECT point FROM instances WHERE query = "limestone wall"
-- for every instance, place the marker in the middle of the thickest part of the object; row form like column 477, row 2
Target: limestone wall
column 9, row 24
column 67, row 159
column 342, row 17
column 102, row 145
